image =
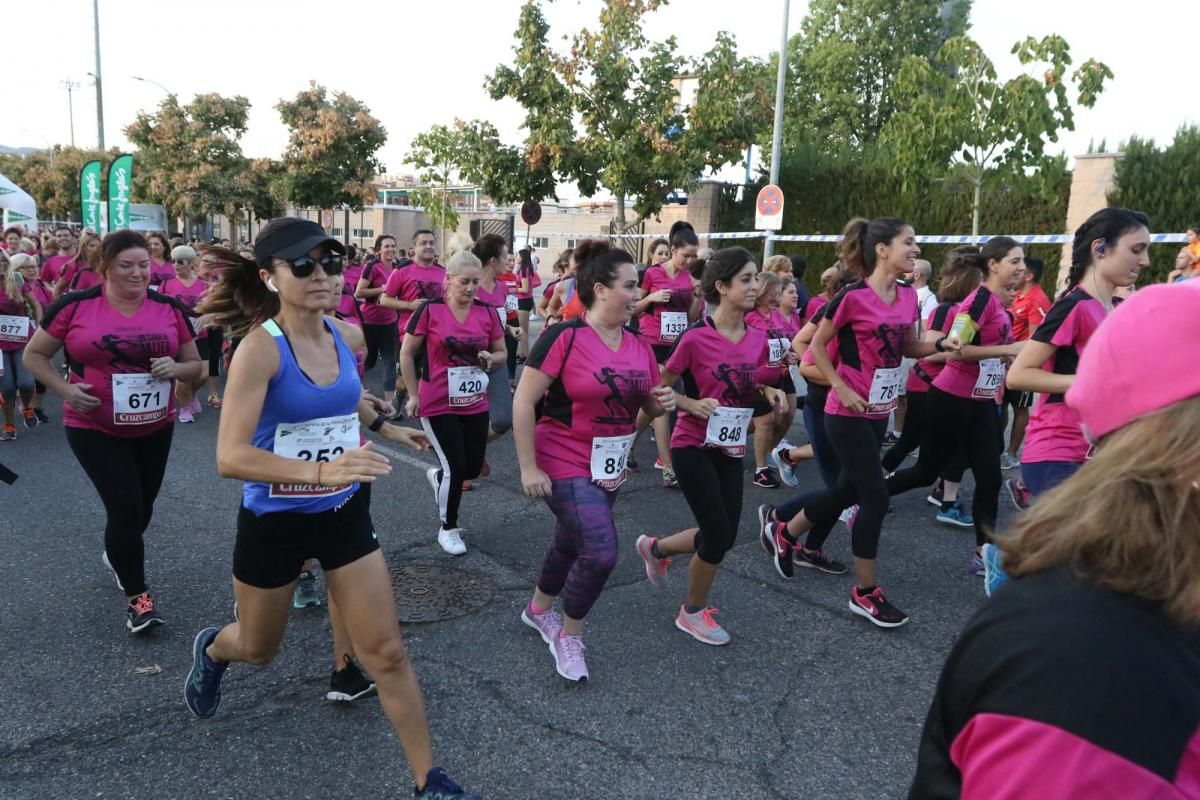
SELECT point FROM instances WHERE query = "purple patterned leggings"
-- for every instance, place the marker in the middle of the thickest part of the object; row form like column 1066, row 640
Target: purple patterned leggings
column 584, row 550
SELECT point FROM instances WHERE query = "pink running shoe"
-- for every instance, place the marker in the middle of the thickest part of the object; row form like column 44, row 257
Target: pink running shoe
column 568, row 657
column 701, row 626
column 656, row 568
column 185, row 415
column 194, row 406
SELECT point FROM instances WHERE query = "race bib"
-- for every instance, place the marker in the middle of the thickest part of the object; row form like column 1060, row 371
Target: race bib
column 510, row 302
column 991, row 378
column 776, row 350
column 318, row 440
column 500, row 313
column 671, row 324
column 14, row 329
column 468, row 385
column 610, row 454
column 727, row 429
column 139, row 398
column 885, row 389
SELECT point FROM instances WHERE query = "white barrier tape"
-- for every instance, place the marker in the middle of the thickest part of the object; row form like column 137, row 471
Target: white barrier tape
column 1026, row 238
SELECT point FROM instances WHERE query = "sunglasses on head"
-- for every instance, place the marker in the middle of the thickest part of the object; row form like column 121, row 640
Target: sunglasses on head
column 302, row 267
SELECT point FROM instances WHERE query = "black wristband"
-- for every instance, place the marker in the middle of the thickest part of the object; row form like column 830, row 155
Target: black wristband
column 938, row 345
column 377, row 424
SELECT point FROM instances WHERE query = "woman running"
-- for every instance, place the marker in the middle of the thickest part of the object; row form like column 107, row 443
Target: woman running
column 511, row 323
column 27, row 267
column 564, row 304
column 769, row 427
column 590, row 377
column 667, row 307
column 20, row 312
column 492, row 252
column 560, row 269
column 127, row 346
column 187, row 288
column 1109, row 251
column 291, row 432
column 874, row 322
column 161, row 269
column 379, row 321
column 784, row 456
column 1036, row 697
column 962, row 402
column 82, row 272
column 832, row 281
column 723, row 365
column 527, row 280
column 457, row 340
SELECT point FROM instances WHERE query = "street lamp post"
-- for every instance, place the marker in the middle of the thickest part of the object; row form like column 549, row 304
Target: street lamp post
column 777, row 139
column 71, row 86
column 156, row 83
column 99, row 88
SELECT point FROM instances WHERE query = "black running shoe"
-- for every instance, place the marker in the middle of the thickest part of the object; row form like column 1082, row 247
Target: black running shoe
column 141, row 613
column 41, row 416
column 348, row 683
column 875, row 607
column 766, row 479
column 816, row 559
column 765, row 513
column 440, row 786
column 781, row 550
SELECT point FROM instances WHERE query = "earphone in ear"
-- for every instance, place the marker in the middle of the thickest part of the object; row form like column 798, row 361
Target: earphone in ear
column 271, row 285
column 1100, row 247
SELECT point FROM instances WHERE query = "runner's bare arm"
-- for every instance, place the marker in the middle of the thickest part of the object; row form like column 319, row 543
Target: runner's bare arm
column 1026, row 373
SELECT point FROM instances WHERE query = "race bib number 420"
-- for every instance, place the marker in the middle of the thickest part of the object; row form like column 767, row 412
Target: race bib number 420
column 317, row 440
column 139, row 399
column 467, row 386
column 728, row 428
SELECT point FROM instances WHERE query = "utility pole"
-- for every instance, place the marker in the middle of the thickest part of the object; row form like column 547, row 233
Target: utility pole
column 71, row 86
column 777, row 139
column 99, row 86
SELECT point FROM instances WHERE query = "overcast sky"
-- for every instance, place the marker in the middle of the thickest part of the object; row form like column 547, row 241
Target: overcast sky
column 417, row 63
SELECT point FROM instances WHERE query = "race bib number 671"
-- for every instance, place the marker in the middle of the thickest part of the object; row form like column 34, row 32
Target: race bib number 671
column 139, row 398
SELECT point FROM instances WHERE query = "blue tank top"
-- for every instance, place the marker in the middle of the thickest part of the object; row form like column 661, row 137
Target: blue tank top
column 308, row 422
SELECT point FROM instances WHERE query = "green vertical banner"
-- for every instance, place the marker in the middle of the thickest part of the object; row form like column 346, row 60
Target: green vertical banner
column 120, row 180
column 89, row 195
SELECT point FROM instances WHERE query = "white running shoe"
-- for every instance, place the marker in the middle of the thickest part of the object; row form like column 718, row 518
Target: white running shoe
column 104, row 558
column 451, row 541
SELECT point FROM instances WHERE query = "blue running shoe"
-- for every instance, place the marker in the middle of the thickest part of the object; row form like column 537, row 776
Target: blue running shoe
column 994, row 575
column 440, row 786
column 202, row 690
column 957, row 517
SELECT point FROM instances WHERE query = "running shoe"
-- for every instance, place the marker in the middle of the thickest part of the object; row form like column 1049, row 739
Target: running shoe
column 765, row 478
column 141, row 613
column 440, row 786
column 185, row 415
column 658, row 461
column 451, row 541
column 1009, row 461
column 976, row 567
column 781, row 550
column 305, row 593
column 9, row 434
column 816, row 559
column 890, row 439
column 994, row 575
column 195, row 406
column 202, row 689
column 548, row 624
column 1017, row 493
column 669, row 481
column 28, row 418
column 656, row 568
column 485, row 469
column 568, row 656
column 107, row 563
column 784, row 466
column 875, row 607
column 766, row 513
column 848, row 517
column 434, row 476
column 214, row 401
column 936, row 493
column 41, row 416
column 348, row 683
column 956, row 516
column 702, row 626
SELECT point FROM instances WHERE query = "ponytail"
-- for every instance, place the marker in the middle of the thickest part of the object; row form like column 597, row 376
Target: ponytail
column 682, row 235
column 239, row 300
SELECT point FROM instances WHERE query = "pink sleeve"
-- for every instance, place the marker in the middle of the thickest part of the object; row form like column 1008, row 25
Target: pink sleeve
column 392, row 287
column 1067, row 332
column 838, row 312
column 495, row 329
column 551, row 362
column 681, row 355
column 60, row 323
column 648, row 282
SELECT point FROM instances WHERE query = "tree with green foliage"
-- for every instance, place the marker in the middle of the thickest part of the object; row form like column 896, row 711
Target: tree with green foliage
column 436, row 154
column 331, row 155
column 51, row 177
column 189, row 157
column 1164, row 182
column 843, row 65
column 958, row 119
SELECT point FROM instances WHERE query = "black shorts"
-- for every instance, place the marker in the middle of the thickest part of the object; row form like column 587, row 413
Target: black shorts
column 524, row 304
column 271, row 549
column 1017, row 399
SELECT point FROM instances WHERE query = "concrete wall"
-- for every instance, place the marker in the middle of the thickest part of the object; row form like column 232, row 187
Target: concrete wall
column 1092, row 179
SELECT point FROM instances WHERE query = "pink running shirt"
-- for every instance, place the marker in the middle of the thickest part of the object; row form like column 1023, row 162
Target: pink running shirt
column 377, row 276
column 497, row 298
column 870, row 335
column 450, row 344
column 161, row 272
column 682, row 294
column 52, row 268
column 923, row 374
column 11, row 338
column 960, row 378
column 348, row 304
column 814, row 305
column 103, row 342
column 596, row 394
column 414, row 282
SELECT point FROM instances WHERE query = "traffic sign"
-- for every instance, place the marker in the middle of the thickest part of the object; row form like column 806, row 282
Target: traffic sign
column 531, row 212
column 768, row 208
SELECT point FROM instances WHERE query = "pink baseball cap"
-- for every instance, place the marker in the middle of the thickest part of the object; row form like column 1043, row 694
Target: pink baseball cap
column 1141, row 359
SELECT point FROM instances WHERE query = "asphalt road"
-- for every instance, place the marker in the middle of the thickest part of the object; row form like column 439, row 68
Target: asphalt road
column 808, row 701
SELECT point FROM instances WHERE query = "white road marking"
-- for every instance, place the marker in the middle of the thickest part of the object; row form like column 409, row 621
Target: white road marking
column 399, row 456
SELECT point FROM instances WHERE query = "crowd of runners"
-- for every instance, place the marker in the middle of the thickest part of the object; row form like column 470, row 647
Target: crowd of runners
column 300, row 342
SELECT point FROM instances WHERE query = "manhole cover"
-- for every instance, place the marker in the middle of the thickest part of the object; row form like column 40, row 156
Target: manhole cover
column 433, row 592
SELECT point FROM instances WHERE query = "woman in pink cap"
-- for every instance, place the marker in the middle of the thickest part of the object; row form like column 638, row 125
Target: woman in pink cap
column 1081, row 677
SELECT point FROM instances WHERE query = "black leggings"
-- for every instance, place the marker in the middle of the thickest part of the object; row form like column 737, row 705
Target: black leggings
column 973, row 425
column 381, row 344
column 460, row 441
column 712, row 485
column 857, row 441
column 127, row 474
column 916, row 420
column 511, row 345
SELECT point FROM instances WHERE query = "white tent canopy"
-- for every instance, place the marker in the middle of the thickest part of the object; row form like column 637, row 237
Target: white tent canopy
column 18, row 207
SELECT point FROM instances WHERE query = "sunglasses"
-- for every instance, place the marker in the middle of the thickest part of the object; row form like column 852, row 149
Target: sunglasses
column 302, row 267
